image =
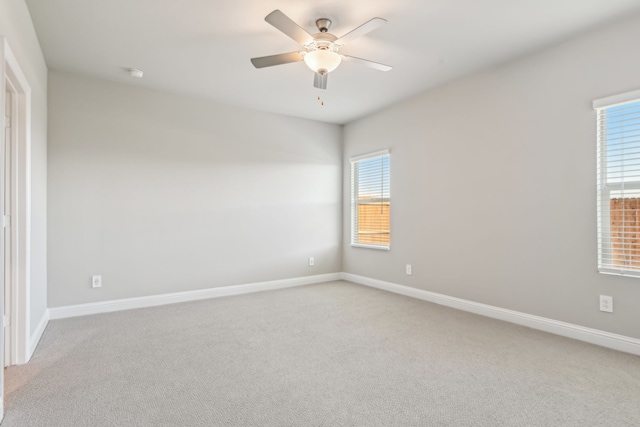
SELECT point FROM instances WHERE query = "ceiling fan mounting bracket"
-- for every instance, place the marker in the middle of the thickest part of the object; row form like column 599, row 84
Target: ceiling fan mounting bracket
column 323, row 24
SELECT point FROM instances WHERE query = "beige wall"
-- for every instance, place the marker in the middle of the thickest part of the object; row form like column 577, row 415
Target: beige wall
column 16, row 26
column 161, row 193
column 493, row 184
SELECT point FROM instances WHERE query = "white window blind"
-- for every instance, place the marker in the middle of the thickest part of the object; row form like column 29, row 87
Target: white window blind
column 371, row 200
column 618, row 120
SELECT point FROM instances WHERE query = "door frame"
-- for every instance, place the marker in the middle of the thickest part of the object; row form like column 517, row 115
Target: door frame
column 12, row 74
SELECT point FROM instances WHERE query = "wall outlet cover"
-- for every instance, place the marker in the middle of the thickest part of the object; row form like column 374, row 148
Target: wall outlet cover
column 96, row 281
column 606, row 303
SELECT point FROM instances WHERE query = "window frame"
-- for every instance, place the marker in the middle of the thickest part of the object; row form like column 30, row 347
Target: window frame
column 605, row 187
column 355, row 201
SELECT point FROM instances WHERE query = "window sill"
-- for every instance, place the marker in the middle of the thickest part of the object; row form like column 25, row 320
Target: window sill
column 618, row 272
column 377, row 247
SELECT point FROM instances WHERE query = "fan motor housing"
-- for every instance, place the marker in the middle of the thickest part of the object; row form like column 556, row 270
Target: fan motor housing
column 325, row 37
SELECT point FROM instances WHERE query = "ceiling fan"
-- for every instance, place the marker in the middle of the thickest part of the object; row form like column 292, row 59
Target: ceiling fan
column 321, row 50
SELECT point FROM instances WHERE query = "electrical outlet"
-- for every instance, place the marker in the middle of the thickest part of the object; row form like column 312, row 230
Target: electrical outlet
column 408, row 269
column 312, row 261
column 96, row 281
column 606, row 303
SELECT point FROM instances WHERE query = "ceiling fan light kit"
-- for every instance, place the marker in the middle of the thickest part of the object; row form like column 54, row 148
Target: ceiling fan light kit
column 322, row 61
column 321, row 52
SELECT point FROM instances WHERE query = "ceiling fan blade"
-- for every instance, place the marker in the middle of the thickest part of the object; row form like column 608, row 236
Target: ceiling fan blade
column 283, row 23
column 375, row 65
column 283, row 58
column 363, row 29
column 320, row 80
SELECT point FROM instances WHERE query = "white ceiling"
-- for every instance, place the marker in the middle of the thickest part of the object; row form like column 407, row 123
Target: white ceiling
column 202, row 47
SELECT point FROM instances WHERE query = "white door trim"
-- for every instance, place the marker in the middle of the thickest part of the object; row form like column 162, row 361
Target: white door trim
column 7, row 212
column 11, row 72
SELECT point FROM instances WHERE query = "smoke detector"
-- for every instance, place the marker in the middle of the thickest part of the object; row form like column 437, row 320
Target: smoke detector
column 134, row 72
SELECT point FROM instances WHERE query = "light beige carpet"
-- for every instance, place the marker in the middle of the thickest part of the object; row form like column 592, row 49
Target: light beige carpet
column 334, row 354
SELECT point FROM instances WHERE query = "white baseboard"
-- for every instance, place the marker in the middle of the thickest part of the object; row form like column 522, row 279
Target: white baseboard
column 37, row 334
column 155, row 300
column 593, row 336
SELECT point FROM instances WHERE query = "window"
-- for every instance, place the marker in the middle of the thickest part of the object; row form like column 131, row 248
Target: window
column 370, row 200
column 619, row 184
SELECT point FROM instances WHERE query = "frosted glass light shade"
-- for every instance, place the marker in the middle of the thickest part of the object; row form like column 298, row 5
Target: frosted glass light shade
column 321, row 59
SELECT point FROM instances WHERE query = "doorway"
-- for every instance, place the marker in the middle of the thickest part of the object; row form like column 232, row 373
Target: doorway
column 15, row 212
column 15, row 208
